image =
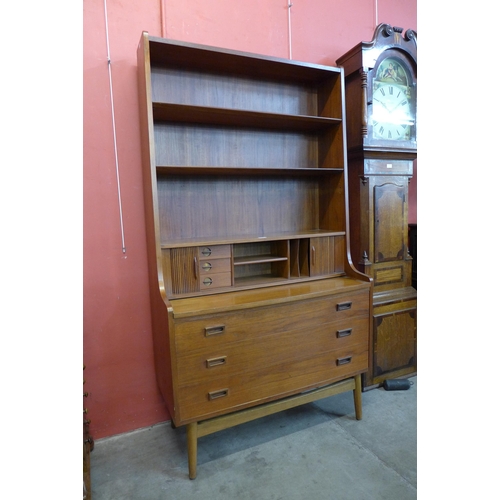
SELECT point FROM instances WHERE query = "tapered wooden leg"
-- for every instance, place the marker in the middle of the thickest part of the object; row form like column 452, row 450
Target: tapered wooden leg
column 357, row 397
column 192, row 445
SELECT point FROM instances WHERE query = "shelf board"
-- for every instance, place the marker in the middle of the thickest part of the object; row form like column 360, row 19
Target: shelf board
column 227, row 61
column 195, row 242
column 205, row 115
column 257, row 259
column 252, row 171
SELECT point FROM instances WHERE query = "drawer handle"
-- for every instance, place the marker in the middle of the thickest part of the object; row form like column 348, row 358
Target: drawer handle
column 344, row 333
column 206, row 252
column 206, row 266
column 195, row 268
column 214, row 330
column 344, row 361
column 218, row 394
column 207, row 281
column 344, row 306
column 216, row 361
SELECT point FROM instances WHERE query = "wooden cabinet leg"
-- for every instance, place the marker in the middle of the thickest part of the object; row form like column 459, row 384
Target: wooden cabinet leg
column 192, row 445
column 357, row 397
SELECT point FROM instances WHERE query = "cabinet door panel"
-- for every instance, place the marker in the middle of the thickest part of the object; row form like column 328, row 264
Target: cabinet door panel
column 319, row 256
column 394, row 341
column 389, row 223
column 184, row 270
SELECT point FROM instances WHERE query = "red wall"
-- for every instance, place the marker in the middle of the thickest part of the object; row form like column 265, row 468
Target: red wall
column 117, row 337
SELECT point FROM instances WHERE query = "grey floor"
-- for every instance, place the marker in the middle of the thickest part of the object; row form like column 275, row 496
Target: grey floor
column 315, row 452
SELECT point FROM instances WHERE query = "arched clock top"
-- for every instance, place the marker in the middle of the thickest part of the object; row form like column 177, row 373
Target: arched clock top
column 389, row 37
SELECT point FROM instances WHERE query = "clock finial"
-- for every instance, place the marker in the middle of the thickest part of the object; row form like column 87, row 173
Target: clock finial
column 387, row 30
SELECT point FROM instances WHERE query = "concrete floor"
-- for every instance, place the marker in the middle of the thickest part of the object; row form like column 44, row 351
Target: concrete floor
column 316, row 452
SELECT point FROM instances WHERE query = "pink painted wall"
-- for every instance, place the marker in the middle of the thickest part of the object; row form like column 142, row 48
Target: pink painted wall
column 117, row 338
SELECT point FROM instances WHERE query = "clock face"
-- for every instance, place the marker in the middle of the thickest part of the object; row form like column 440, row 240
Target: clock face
column 393, row 114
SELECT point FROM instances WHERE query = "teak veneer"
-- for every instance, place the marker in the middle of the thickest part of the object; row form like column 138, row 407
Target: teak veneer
column 256, row 305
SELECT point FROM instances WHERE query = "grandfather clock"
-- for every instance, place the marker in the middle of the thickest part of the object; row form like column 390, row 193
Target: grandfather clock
column 381, row 105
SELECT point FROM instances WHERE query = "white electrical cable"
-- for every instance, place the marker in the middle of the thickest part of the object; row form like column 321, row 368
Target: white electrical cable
column 376, row 13
column 289, row 30
column 114, row 128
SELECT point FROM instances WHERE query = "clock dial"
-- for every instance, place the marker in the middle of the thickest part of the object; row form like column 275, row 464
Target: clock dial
column 391, row 115
column 392, row 112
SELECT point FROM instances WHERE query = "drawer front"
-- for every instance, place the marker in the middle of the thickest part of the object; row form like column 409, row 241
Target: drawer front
column 214, row 252
column 217, row 280
column 384, row 167
column 223, row 394
column 211, row 266
column 222, row 329
column 231, row 358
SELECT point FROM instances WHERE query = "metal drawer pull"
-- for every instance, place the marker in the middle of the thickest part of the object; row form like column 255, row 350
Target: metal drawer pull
column 343, row 306
column 344, row 361
column 206, row 266
column 214, row 330
column 206, row 252
column 216, row 361
column 218, row 394
column 207, row 281
column 344, row 333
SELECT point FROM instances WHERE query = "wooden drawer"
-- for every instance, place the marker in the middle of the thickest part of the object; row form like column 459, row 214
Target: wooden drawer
column 211, row 266
column 216, row 280
column 214, row 252
column 289, row 346
column 223, row 329
column 218, row 395
column 389, row 167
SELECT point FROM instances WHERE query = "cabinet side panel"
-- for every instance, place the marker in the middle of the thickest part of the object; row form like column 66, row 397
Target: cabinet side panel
column 158, row 301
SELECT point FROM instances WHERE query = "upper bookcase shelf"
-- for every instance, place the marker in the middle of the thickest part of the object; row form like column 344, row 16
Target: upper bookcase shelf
column 223, row 61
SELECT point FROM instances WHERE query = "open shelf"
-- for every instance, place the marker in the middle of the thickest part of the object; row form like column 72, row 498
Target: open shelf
column 205, row 115
column 257, row 259
column 251, row 171
column 219, row 60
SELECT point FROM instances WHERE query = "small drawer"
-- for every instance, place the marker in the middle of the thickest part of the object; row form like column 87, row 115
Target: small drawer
column 388, row 167
column 216, row 280
column 214, row 252
column 213, row 266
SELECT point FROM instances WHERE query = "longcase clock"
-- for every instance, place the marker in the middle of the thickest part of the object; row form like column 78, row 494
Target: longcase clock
column 381, row 105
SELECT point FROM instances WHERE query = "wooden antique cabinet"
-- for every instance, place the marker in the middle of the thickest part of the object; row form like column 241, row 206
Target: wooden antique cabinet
column 381, row 101
column 256, row 305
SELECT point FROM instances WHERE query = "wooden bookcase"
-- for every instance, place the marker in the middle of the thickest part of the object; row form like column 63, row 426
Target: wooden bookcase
column 254, row 296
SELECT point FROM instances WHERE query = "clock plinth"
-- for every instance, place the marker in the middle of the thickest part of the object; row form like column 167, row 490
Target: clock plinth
column 381, row 105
